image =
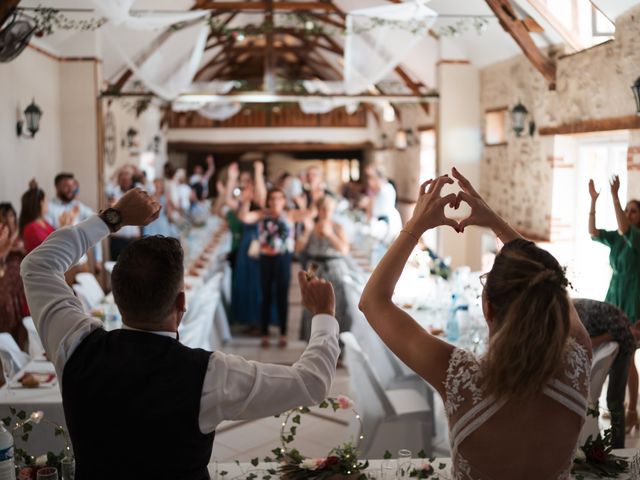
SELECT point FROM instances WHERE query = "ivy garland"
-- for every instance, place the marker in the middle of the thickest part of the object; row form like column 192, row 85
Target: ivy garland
column 48, row 20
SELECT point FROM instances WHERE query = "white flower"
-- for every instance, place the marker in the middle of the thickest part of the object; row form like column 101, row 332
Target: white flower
column 580, row 455
column 41, row 461
column 309, row 464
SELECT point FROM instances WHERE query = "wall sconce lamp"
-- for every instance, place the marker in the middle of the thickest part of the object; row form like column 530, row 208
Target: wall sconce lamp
column 636, row 93
column 32, row 115
column 518, row 117
column 131, row 138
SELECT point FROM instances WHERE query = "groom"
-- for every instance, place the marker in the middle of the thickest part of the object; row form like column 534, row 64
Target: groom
column 138, row 403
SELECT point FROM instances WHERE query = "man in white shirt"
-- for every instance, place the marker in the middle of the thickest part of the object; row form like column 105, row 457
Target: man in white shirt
column 382, row 195
column 65, row 209
column 138, row 404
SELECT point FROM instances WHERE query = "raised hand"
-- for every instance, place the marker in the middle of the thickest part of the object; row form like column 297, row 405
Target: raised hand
column 317, row 295
column 429, row 211
column 481, row 214
column 593, row 193
column 234, row 171
column 615, row 185
column 258, row 167
column 138, row 208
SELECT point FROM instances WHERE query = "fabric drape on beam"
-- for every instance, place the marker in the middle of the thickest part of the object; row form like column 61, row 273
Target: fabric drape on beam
column 378, row 39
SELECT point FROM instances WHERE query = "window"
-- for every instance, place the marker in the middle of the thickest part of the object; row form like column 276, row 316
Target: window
column 494, row 125
column 597, row 157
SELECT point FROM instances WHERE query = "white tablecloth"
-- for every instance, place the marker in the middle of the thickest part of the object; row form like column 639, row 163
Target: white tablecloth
column 240, row 471
column 47, row 399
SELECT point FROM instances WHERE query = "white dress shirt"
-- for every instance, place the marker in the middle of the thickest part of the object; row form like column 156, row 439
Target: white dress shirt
column 233, row 388
column 384, row 201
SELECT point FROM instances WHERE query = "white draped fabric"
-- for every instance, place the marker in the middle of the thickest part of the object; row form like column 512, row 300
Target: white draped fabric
column 378, row 38
column 118, row 13
column 321, row 105
column 163, row 72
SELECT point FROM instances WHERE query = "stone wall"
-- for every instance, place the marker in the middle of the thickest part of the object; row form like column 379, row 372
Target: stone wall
column 518, row 177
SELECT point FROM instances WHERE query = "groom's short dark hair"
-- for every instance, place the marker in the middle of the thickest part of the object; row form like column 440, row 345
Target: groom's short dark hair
column 147, row 278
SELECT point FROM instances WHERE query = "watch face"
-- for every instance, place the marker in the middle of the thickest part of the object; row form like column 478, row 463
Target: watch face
column 113, row 217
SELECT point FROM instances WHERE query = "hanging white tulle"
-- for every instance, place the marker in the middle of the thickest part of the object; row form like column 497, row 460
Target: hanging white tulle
column 322, row 105
column 118, row 13
column 378, row 38
column 170, row 69
column 216, row 87
column 220, row 111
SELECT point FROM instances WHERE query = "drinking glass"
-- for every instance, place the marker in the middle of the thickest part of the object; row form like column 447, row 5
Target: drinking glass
column 404, row 462
column 389, row 469
column 68, row 468
column 47, row 473
column 7, row 369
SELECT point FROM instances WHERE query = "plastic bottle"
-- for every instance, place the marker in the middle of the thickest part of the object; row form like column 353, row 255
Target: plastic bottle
column 7, row 466
column 452, row 329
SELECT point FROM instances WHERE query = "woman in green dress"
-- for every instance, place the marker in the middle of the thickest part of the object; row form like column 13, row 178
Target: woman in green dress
column 624, row 288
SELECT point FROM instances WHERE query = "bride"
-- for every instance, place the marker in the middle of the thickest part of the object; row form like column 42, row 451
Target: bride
column 517, row 411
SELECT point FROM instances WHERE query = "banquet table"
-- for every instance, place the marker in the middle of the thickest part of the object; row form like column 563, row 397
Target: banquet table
column 46, row 399
column 238, row 471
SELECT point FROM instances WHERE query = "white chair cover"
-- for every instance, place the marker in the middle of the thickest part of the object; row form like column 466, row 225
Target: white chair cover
column 91, row 287
column 11, row 354
column 36, row 350
column 603, row 358
column 391, row 418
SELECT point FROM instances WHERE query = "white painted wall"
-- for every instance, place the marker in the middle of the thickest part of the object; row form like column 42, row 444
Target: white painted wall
column 79, row 84
column 31, row 75
column 460, row 145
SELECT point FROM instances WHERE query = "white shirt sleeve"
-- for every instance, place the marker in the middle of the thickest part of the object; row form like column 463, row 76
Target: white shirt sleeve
column 239, row 389
column 58, row 315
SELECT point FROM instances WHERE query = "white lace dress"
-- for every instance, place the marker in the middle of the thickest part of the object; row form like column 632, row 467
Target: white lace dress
column 493, row 440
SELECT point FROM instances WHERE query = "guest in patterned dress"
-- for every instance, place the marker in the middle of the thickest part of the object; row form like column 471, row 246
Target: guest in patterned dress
column 276, row 249
column 607, row 323
column 624, row 288
column 528, row 393
column 326, row 245
column 12, row 301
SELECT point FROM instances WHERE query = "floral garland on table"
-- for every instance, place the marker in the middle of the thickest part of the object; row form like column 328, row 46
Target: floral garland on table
column 27, row 465
column 341, row 462
column 595, row 458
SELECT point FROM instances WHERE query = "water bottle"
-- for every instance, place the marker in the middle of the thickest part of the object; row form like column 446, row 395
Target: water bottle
column 452, row 329
column 7, row 467
column 462, row 318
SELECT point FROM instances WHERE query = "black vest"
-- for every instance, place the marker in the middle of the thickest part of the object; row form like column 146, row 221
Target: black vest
column 132, row 401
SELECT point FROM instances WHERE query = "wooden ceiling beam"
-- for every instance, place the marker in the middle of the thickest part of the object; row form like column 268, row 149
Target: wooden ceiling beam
column 514, row 27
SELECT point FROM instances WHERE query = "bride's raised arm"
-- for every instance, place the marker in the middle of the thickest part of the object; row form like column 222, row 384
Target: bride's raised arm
column 421, row 351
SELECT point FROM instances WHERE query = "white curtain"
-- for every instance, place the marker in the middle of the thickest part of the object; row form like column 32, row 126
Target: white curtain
column 117, row 12
column 378, row 39
column 321, row 105
column 220, row 111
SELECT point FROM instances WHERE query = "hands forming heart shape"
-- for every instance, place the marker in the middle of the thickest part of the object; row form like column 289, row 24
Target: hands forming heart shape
column 429, row 210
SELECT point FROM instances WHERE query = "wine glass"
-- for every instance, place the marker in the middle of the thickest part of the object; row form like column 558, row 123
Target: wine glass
column 389, row 469
column 47, row 473
column 68, row 468
column 8, row 369
column 404, row 462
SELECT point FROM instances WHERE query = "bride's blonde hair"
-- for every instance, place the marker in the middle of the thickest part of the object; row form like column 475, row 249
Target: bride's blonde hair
column 526, row 292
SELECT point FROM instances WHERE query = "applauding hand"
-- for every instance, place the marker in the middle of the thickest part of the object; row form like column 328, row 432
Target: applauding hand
column 593, row 193
column 317, row 295
column 615, row 185
column 138, row 208
column 429, row 211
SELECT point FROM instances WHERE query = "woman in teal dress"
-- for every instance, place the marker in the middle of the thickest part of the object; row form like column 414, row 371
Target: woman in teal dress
column 624, row 257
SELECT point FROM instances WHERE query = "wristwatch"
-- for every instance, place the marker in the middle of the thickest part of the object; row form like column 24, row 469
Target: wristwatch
column 112, row 217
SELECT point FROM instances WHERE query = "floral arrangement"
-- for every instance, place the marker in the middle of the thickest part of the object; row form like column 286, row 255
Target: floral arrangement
column 27, row 465
column 341, row 463
column 595, row 458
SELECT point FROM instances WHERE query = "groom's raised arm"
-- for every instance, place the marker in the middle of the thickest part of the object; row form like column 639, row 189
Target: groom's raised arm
column 58, row 315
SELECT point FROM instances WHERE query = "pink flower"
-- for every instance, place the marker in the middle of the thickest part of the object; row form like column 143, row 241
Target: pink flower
column 344, row 402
